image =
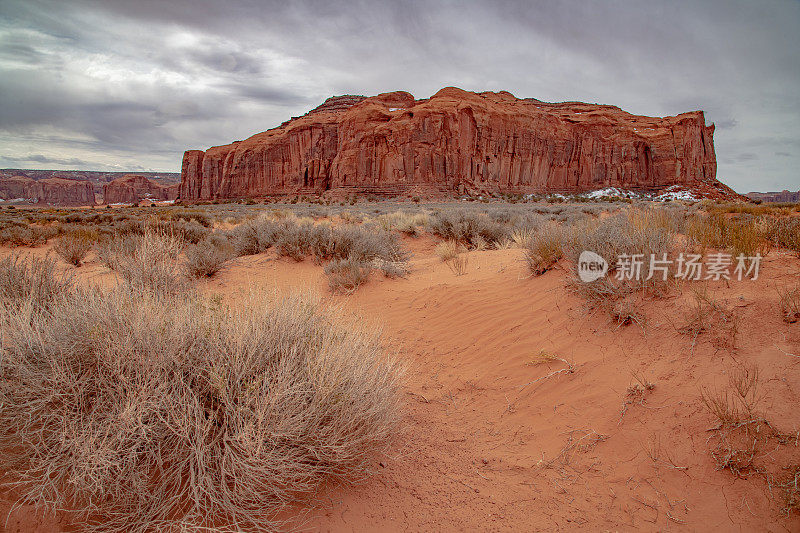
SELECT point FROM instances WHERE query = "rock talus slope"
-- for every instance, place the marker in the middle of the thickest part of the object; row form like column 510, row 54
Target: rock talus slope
column 456, row 142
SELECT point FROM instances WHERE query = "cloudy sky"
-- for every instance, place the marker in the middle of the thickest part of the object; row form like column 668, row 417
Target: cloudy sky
column 129, row 85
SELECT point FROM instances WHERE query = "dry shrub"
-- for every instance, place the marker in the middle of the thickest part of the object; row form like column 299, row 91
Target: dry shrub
column 458, row 264
column 207, row 258
column 190, row 230
column 131, row 411
column 709, row 316
column 367, row 242
column 110, row 249
column 253, row 236
column 73, row 247
column 31, row 281
column 294, row 240
column 152, row 264
column 346, row 275
column 626, row 311
column 467, row 228
column 392, row 269
column 543, row 249
column 404, row 222
column 638, row 232
column 790, row 304
column 746, row 442
column 19, row 235
column 785, row 233
column 737, row 403
column 746, row 238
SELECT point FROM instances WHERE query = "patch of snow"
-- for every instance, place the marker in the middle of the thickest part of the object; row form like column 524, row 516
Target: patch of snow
column 611, row 192
column 676, row 195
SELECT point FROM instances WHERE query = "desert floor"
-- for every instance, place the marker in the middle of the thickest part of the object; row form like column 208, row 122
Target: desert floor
column 494, row 441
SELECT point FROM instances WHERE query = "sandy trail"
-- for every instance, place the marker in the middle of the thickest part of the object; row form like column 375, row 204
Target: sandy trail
column 492, row 443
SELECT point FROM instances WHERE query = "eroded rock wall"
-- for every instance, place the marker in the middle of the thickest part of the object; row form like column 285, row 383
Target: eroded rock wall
column 456, row 142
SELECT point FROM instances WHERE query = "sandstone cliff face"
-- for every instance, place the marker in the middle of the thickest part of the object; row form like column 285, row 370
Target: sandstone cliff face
column 456, row 142
column 131, row 189
column 20, row 188
column 60, row 191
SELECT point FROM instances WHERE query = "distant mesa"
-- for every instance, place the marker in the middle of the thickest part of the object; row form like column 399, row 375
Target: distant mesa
column 69, row 187
column 783, row 196
column 133, row 188
column 52, row 191
column 455, row 143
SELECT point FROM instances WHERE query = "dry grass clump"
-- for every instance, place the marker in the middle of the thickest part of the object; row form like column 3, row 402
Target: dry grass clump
column 73, row 247
column 746, row 238
column 737, row 403
column 626, row 311
column 458, row 264
column 543, row 248
column 637, row 232
column 253, row 236
column 785, row 233
column 363, row 242
column 207, row 258
column 746, row 442
column 26, row 235
column 709, row 316
column 32, row 281
column 792, row 490
column 111, row 248
column 392, row 269
column 195, row 415
column 468, row 228
column 346, row 275
column 448, row 250
column 790, row 304
column 404, row 222
column 150, row 262
column 739, row 235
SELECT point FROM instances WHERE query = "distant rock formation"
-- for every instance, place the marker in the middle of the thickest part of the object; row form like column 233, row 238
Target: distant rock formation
column 61, row 191
column 456, row 142
column 53, row 191
column 21, row 188
column 133, row 188
column 783, row 196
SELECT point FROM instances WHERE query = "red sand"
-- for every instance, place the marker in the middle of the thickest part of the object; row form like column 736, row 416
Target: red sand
column 486, row 447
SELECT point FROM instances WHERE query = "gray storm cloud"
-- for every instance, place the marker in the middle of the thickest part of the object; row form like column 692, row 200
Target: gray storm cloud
column 123, row 85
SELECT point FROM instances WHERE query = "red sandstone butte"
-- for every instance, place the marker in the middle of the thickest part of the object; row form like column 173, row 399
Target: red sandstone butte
column 456, row 142
column 62, row 191
column 132, row 188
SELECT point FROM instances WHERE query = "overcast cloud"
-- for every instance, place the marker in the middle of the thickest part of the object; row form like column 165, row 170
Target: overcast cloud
column 131, row 84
